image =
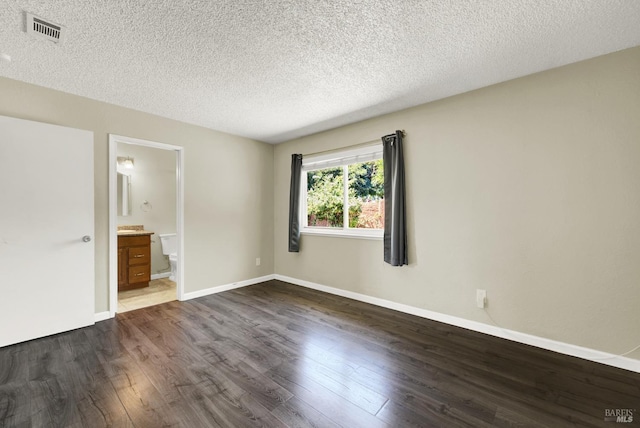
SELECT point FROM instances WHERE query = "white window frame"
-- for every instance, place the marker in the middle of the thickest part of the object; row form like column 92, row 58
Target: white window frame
column 342, row 158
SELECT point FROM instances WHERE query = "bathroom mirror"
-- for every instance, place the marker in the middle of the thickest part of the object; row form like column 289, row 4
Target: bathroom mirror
column 124, row 194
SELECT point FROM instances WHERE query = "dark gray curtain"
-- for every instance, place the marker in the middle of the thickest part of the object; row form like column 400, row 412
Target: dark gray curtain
column 395, row 219
column 294, row 204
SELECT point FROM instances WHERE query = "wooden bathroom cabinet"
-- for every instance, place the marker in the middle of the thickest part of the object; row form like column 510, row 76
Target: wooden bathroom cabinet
column 134, row 262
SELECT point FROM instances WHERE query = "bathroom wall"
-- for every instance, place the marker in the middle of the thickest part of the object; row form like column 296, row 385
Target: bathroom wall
column 153, row 179
column 228, row 184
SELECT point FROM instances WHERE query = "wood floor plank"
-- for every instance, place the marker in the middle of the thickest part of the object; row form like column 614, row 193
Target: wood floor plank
column 50, row 389
column 397, row 415
column 422, row 394
column 15, row 405
column 296, row 413
column 508, row 418
column 233, row 339
column 194, row 333
column 278, row 355
column 262, row 388
column 318, row 397
column 13, row 365
column 228, row 403
column 95, row 398
column 340, row 383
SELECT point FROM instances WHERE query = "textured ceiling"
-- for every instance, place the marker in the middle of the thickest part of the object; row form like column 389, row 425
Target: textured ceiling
column 276, row 70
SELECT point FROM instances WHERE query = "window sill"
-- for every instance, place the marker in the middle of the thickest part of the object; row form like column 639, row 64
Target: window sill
column 376, row 235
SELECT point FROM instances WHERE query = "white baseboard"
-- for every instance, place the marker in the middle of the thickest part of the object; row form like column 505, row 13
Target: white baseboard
column 101, row 316
column 226, row 287
column 160, row 275
column 540, row 342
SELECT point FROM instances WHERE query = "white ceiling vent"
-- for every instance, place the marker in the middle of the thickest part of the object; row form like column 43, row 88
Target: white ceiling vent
column 42, row 28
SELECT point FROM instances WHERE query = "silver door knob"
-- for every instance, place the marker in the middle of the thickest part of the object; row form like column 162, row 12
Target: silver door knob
column 86, row 238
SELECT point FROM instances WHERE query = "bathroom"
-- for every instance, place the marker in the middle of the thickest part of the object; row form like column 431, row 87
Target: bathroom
column 146, row 221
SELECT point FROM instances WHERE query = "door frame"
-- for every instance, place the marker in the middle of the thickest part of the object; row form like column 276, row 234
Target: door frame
column 113, row 216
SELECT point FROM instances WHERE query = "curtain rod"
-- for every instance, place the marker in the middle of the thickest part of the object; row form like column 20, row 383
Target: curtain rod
column 367, row 143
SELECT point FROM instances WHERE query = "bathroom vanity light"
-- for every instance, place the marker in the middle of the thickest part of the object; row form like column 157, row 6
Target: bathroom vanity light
column 126, row 163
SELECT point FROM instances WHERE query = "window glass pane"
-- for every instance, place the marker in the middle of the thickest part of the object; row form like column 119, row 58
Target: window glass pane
column 325, row 198
column 366, row 195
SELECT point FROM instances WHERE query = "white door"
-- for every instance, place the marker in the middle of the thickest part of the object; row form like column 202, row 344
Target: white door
column 47, row 270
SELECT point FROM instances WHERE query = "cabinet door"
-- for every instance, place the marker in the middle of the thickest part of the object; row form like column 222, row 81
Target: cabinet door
column 123, row 268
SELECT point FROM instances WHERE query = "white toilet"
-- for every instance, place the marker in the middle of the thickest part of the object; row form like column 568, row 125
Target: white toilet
column 169, row 243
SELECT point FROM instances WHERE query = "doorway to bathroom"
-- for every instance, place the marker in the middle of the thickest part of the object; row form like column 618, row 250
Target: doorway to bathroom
column 146, row 208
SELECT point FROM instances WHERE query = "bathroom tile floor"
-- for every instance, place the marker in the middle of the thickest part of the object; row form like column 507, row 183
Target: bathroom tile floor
column 159, row 291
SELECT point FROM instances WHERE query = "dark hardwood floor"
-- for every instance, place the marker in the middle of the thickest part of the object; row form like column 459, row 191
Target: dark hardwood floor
column 278, row 355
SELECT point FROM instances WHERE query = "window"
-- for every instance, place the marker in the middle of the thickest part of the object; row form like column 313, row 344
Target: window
column 343, row 193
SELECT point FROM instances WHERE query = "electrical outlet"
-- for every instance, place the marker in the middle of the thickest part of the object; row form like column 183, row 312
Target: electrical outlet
column 481, row 298
column 258, row 261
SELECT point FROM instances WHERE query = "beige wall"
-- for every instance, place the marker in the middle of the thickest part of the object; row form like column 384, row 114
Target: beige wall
column 529, row 189
column 153, row 179
column 228, row 184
